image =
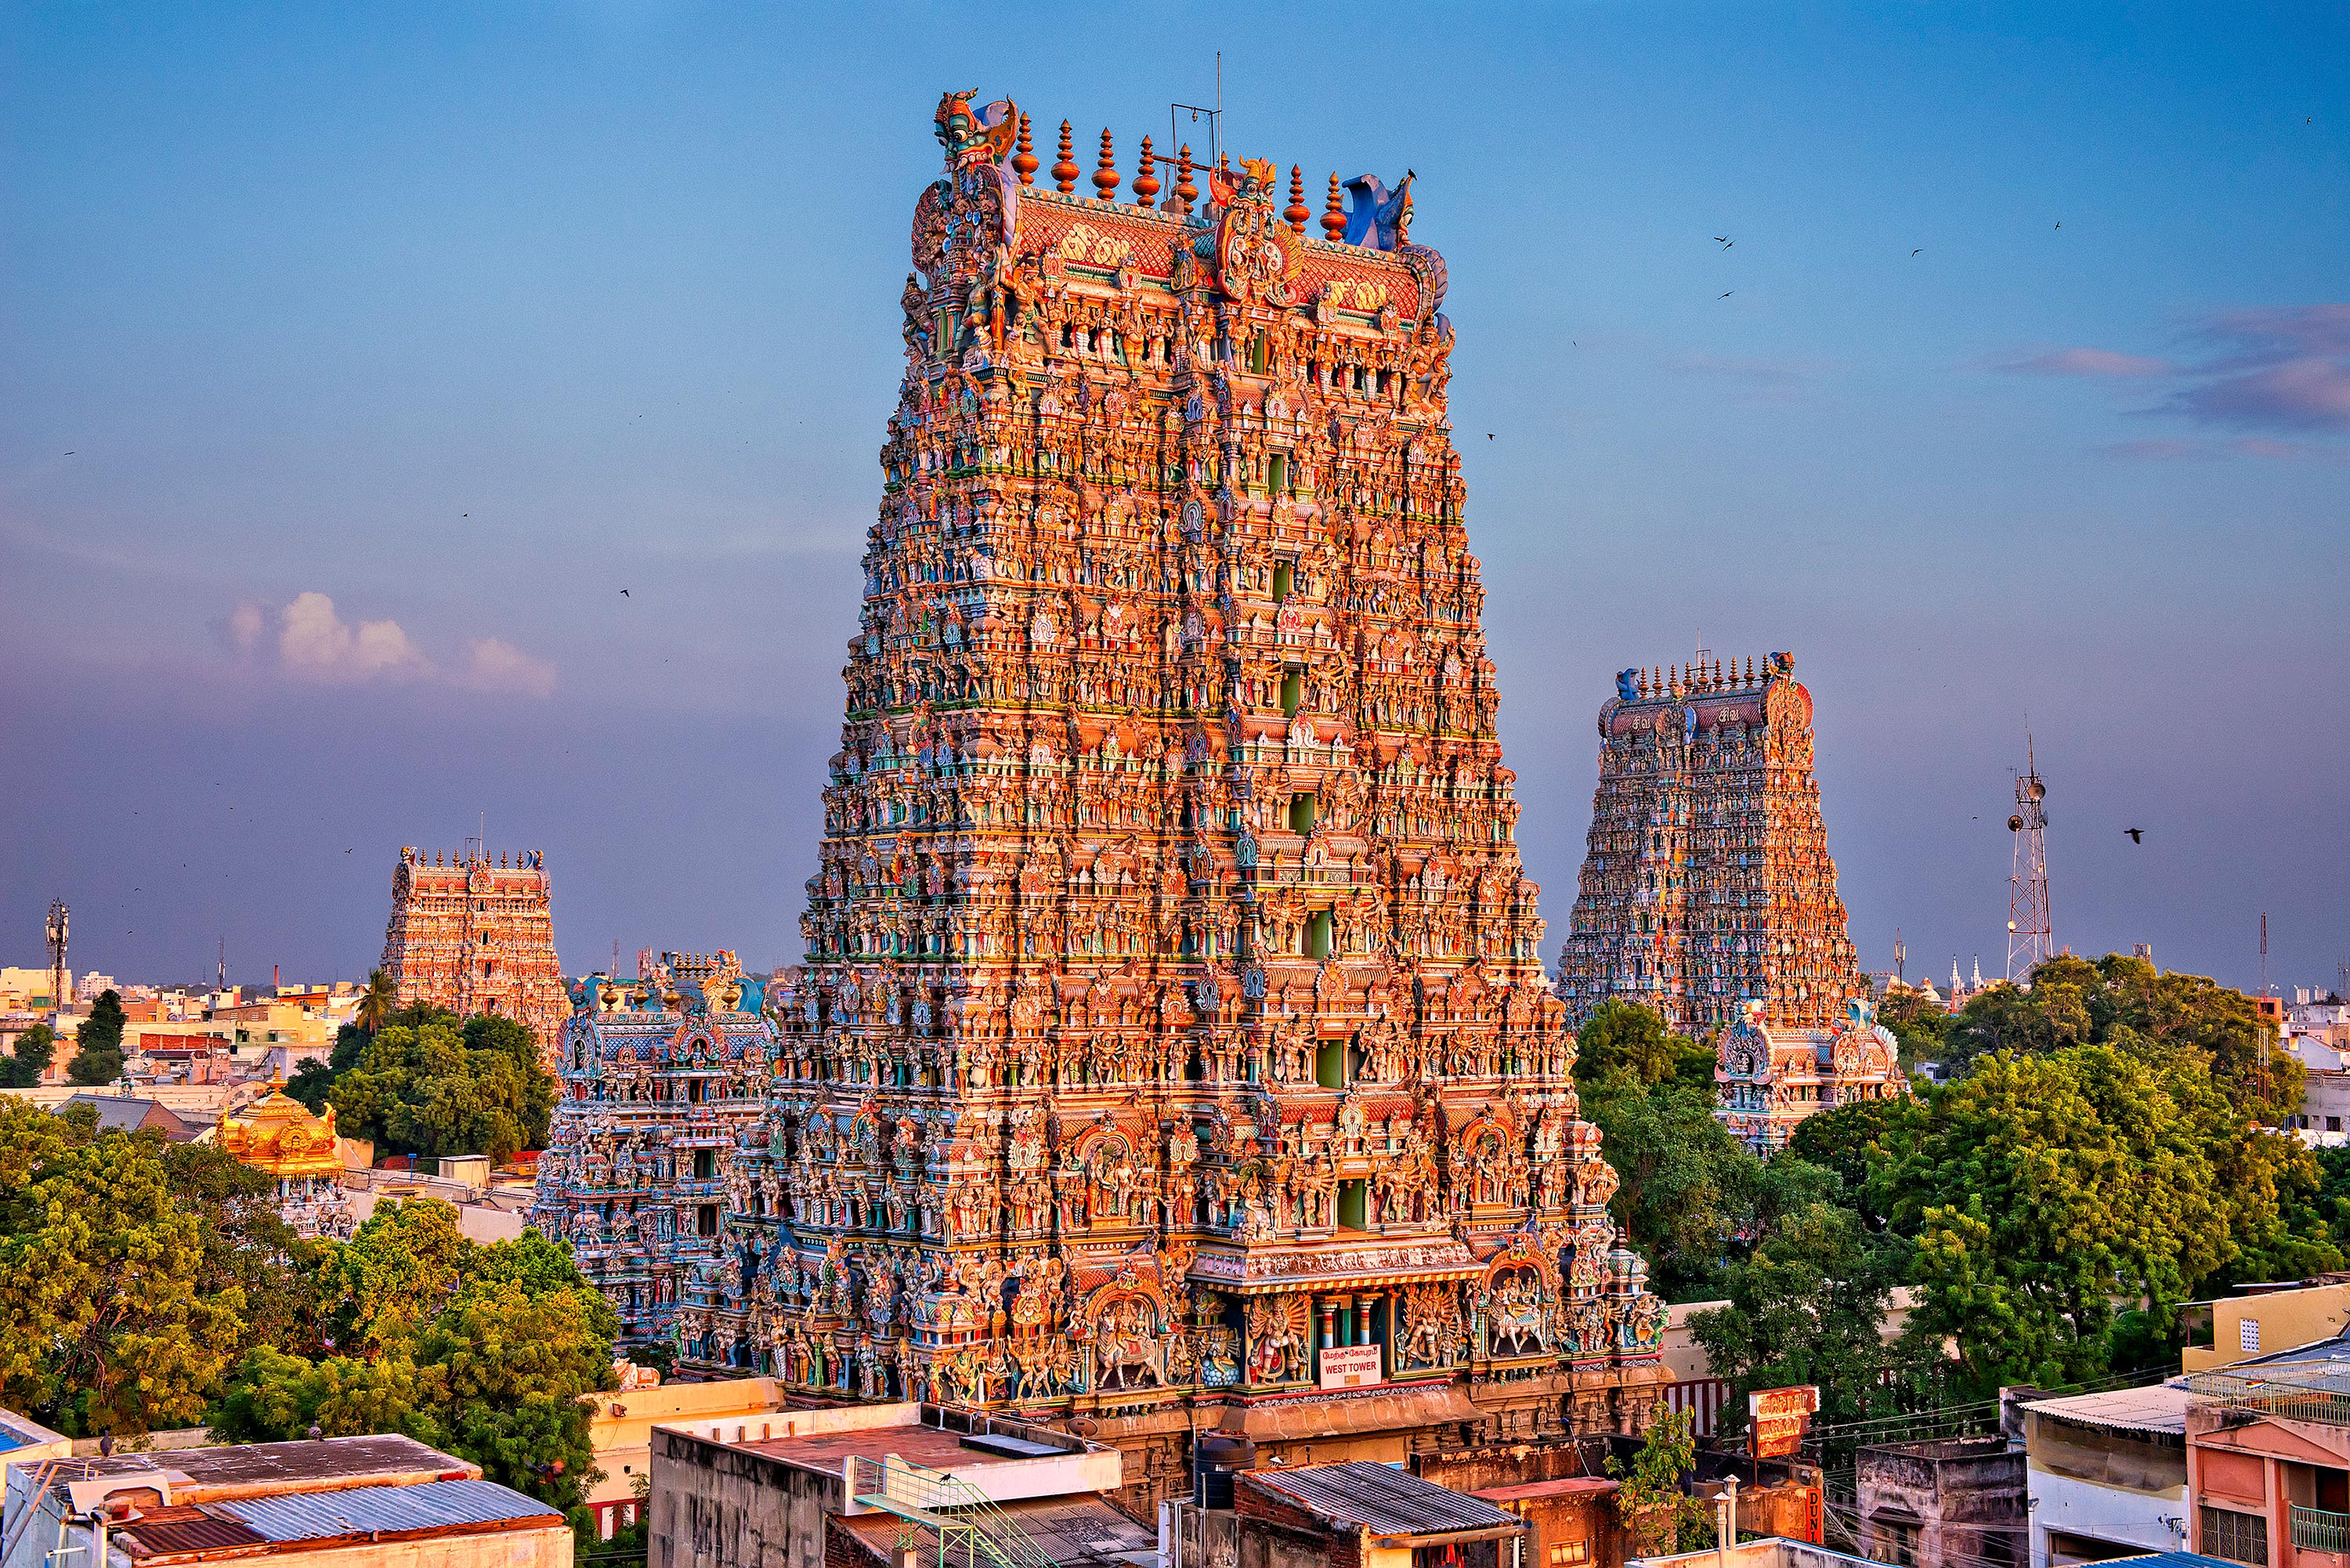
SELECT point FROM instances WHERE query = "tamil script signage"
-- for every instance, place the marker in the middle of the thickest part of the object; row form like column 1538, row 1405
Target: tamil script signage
column 1352, row 1365
column 1776, row 1419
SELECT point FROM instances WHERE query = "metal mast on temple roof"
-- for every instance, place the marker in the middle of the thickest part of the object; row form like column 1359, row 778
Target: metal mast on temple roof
column 2029, row 936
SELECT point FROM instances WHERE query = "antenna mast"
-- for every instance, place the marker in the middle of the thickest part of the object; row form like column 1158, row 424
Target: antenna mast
column 2029, row 937
column 1900, row 957
column 60, row 918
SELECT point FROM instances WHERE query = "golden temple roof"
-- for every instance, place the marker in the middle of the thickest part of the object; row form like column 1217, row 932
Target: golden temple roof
column 280, row 1136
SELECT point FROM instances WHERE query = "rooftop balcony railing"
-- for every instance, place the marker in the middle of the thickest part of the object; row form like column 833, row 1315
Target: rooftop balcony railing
column 2313, row 1391
column 2317, row 1530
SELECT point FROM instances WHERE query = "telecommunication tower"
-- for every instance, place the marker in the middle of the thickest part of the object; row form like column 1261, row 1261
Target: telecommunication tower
column 56, row 931
column 2029, row 938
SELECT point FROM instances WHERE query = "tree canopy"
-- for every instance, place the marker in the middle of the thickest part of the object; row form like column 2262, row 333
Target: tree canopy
column 482, row 1350
column 29, row 1057
column 116, row 1314
column 428, row 1085
column 98, row 1059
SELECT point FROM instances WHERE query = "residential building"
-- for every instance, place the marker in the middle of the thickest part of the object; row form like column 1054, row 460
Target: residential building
column 334, row 1502
column 740, row 1490
column 121, row 1113
column 1571, row 1522
column 2265, row 1322
column 25, row 1441
column 1357, row 1515
column 2268, row 1459
column 1173, row 1021
column 1961, row 1502
column 31, row 990
column 622, row 1429
column 2107, row 1473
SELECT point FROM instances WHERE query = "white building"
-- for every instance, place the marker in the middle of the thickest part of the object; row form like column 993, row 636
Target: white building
column 2106, row 1474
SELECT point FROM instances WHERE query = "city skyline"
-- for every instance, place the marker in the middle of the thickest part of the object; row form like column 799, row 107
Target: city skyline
column 357, row 371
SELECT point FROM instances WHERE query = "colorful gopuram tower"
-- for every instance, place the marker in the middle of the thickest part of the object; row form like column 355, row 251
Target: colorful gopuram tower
column 1707, row 882
column 661, row 1074
column 1173, row 1047
column 477, row 935
column 1707, row 892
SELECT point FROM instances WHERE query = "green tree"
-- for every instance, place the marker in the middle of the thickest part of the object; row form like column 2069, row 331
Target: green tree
column 1808, row 1305
column 276, row 1397
column 2122, row 1002
column 377, row 1001
column 1624, row 1037
column 1920, row 1025
column 482, row 1350
column 100, row 1037
column 311, row 1085
column 377, row 1291
column 248, row 1245
column 1850, row 1139
column 2041, row 1190
column 428, row 1088
column 1685, row 1186
column 1650, row 1503
column 29, row 1058
column 106, row 1325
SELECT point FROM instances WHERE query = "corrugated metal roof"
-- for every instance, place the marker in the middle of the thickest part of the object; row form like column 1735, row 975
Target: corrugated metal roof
column 2160, row 1408
column 356, row 1511
column 1361, row 1495
column 172, row 1531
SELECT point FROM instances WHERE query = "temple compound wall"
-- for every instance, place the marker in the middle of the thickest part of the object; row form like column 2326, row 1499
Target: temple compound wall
column 1173, row 1046
column 1708, row 893
column 475, row 936
column 660, row 1074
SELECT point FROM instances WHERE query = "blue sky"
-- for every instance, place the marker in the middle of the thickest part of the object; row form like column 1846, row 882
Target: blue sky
column 353, row 358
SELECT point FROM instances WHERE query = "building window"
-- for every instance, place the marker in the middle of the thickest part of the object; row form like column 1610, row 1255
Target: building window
column 705, row 1220
column 1570, row 1551
column 2247, row 1336
column 2237, row 1537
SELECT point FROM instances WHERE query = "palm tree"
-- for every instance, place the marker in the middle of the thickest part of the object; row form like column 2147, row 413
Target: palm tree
column 376, row 1002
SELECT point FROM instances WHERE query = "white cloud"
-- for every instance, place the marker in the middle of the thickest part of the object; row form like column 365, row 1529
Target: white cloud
column 316, row 644
column 241, row 630
column 493, row 664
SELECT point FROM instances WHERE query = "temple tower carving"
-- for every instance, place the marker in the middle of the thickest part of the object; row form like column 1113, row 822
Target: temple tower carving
column 1172, row 1025
column 474, row 935
column 1707, row 892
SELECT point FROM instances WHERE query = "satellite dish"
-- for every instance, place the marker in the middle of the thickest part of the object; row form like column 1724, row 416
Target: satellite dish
column 2016, row 825
column 2038, row 790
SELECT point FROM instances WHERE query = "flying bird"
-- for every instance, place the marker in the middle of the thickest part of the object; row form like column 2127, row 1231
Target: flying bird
column 1724, row 240
column 1920, row 250
column 624, row 593
column 1489, row 435
column 2137, row 834
column 1727, row 292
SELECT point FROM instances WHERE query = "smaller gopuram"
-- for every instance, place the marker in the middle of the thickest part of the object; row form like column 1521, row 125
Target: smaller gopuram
column 1769, row 1077
column 477, row 935
column 659, row 1073
column 1707, row 882
column 282, row 1139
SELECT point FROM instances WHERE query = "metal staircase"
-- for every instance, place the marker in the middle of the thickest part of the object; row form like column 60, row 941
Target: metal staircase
column 969, row 1527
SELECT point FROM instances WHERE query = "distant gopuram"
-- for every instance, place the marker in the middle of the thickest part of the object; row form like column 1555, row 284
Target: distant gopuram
column 477, row 935
column 1707, row 892
column 1173, row 1025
